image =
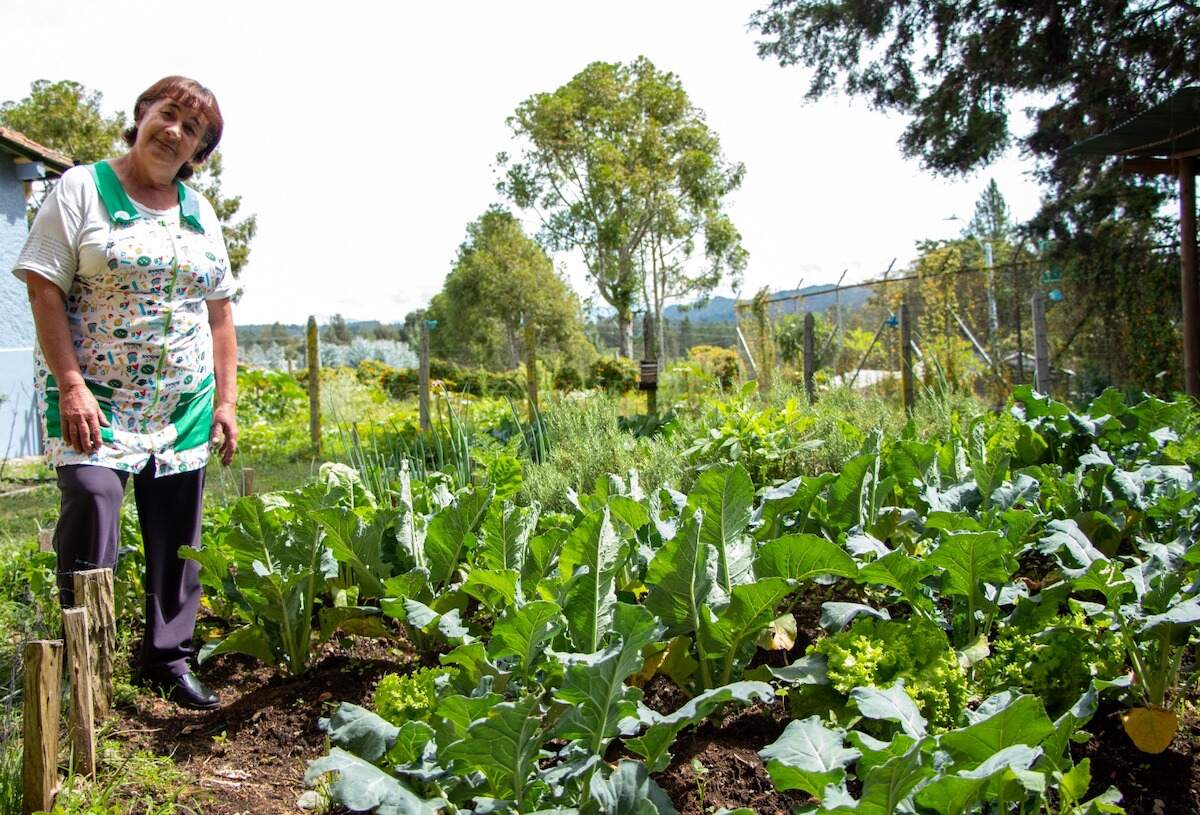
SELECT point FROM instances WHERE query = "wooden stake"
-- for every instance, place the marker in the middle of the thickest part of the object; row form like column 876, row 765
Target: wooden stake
column 94, row 591
column 1041, row 346
column 906, row 366
column 423, row 378
column 810, row 359
column 39, row 773
column 531, row 383
column 247, row 481
column 649, row 355
column 46, row 540
column 1189, row 277
column 314, row 385
column 79, row 670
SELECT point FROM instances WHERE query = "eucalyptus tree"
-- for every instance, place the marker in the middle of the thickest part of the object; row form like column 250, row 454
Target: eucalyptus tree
column 620, row 165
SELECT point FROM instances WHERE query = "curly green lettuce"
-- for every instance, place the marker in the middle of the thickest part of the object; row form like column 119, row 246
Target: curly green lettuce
column 403, row 698
column 875, row 653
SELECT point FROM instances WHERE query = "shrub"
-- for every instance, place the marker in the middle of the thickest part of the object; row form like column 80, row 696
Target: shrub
column 567, row 378
column 613, row 375
column 720, row 363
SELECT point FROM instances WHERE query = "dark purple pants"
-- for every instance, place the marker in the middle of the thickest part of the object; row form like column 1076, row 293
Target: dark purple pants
column 170, row 511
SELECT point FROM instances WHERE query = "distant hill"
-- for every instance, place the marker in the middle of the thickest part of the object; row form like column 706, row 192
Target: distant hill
column 817, row 299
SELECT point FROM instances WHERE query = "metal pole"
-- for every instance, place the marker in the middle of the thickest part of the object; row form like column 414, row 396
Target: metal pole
column 810, row 360
column 1041, row 345
column 993, row 315
column 906, row 367
column 874, row 340
column 1190, row 284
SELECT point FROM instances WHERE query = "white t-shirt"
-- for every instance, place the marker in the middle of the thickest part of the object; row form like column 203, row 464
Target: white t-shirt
column 72, row 227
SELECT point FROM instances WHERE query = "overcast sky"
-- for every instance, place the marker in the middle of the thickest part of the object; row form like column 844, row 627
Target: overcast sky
column 364, row 135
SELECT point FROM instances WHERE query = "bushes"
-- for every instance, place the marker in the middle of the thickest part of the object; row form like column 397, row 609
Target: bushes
column 613, row 375
column 402, row 383
column 720, row 363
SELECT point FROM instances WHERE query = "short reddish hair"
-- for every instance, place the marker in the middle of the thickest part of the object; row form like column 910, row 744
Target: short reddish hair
column 190, row 94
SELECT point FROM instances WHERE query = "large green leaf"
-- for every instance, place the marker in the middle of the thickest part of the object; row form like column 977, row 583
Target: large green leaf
column 504, row 747
column 1023, row 721
column 729, row 639
column 360, row 731
column 961, row 793
column 524, row 632
column 496, row 590
column 249, row 639
column 655, row 743
column 803, row 557
column 629, row 790
column 1066, row 541
column 808, row 756
column 849, row 501
column 594, row 685
column 970, row 560
column 887, row 785
column 506, row 533
column 589, row 561
column 893, row 705
column 358, row 545
column 681, row 576
column 725, row 495
column 903, row 573
column 361, row 787
column 793, row 500
column 450, row 531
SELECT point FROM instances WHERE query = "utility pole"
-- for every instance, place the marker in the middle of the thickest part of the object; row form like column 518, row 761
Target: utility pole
column 810, row 361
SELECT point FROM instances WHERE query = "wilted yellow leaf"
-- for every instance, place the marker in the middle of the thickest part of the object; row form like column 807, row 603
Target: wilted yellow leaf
column 1150, row 728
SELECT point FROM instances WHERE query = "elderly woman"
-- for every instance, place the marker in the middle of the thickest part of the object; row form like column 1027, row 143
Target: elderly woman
column 130, row 287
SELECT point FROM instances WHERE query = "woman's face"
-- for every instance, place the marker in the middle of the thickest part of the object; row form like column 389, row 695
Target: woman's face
column 169, row 133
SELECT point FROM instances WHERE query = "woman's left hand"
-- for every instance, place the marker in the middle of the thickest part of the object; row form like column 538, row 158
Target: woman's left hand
column 224, row 431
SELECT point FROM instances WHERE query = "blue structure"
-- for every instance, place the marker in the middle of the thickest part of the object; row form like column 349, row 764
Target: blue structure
column 22, row 163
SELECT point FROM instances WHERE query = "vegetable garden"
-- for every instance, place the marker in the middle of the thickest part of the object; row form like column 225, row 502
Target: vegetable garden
column 982, row 614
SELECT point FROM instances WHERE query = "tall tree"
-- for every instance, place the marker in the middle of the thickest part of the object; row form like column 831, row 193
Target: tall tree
column 991, row 220
column 67, row 117
column 238, row 233
column 502, row 283
column 620, row 165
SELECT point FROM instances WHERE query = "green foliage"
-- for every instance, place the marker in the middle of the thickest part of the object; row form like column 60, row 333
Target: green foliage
column 402, row 698
column 875, row 653
column 720, row 363
column 1055, row 660
column 613, row 375
column 67, row 117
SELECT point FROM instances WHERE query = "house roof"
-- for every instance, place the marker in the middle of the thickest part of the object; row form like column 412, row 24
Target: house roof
column 22, row 145
column 1170, row 129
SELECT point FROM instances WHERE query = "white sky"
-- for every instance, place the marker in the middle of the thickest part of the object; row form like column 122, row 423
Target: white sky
column 364, row 135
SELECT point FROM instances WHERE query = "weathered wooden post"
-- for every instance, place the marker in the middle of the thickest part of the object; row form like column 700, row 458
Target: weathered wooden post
column 810, row 359
column 423, row 378
column 531, row 380
column 46, row 540
column 906, row 366
column 94, row 591
column 79, row 671
column 648, row 373
column 247, row 481
column 314, row 386
column 1041, row 345
column 39, row 772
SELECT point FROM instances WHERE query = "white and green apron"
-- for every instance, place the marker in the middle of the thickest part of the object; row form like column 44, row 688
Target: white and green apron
column 141, row 335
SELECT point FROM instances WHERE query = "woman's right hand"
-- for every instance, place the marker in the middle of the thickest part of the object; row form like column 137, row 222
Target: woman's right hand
column 81, row 418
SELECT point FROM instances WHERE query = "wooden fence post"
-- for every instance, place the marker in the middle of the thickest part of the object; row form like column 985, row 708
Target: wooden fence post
column 531, row 378
column 1041, row 346
column 314, row 385
column 39, row 772
column 423, row 378
column 247, row 481
column 94, row 591
column 906, row 366
column 46, row 540
column 649, row 356
column 79, row 670
column 810, row 360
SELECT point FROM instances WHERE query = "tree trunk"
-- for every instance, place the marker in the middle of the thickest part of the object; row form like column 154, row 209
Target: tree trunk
column 514, row 350
column 625, row 333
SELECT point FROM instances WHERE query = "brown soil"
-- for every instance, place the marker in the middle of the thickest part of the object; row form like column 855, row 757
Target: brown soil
column 1163, row 784
column 729, row 773
column 248, row 757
